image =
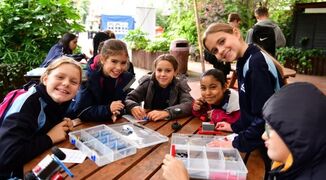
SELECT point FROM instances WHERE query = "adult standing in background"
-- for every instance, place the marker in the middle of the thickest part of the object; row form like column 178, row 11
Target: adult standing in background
column 262, row 16
column 66, row 45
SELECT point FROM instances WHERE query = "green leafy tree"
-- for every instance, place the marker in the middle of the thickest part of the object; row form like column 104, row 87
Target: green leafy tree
column 28, row 28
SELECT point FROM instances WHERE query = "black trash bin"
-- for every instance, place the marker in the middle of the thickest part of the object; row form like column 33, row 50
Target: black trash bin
column 180, row 50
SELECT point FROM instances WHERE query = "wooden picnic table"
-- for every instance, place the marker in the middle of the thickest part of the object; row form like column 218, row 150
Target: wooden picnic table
column 146, row 163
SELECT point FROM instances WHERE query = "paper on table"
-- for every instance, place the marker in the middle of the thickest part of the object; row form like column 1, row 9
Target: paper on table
column 73, row 156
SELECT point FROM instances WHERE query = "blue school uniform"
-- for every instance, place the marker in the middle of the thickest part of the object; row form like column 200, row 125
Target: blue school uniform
column 23, row 134
column 95, row 96
column 254, row 89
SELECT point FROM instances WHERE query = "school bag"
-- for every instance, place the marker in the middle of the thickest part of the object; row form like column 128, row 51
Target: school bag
column 264, row 36
column 11, row 97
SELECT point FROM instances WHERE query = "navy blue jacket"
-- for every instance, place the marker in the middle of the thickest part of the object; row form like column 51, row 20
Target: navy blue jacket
column 23, row 132
column 92, row 100
column 55, row 52
column 254, row 90
column 297, row 114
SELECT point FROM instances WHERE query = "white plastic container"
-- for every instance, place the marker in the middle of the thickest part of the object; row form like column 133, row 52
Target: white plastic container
column 105, row 144
column 206, row 162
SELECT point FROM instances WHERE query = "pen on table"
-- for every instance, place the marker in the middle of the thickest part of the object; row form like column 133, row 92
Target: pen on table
column 137, row 125
column 63, row 166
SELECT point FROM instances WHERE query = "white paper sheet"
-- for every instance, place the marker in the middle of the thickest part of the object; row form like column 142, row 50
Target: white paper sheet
column 73, row 156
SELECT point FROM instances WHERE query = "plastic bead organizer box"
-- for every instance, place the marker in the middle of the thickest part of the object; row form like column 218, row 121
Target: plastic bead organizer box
column 104, row 144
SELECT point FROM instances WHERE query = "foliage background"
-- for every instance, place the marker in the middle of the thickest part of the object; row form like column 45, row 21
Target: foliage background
column 28, row 29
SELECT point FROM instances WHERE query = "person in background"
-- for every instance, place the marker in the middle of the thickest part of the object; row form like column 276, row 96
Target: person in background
column 162, row 92
column 217, row 103
column 262, row 16
column 37, row 119
column 98, row 38
column 255, row 81
column 293, row 117
column 234, row 20
column 110, row 33
column 225, row 67
column 101, row 97
column 66, row 45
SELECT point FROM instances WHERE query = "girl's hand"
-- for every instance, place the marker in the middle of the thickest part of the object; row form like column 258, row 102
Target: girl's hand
column 156, row 115
column 116, row 106
column 223, row 126
column 59, row 132
column 70, row 124
column 138, row 112
column 174, row 169
column 198, row 103
column 221, row 143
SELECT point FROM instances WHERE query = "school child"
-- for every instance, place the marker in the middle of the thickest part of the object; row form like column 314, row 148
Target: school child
column 66, row 45
column 101, row 97
column 217, row 103
column 36, row 120
column 294, row 133
column 98, row 42
column 162, row 93
column 258, row 79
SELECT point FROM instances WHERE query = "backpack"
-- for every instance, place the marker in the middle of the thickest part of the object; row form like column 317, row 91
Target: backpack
column 11, row 97
column 264, row 37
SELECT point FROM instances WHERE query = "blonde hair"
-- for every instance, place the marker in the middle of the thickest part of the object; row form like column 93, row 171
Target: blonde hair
column 214, row 28
column 60, row 61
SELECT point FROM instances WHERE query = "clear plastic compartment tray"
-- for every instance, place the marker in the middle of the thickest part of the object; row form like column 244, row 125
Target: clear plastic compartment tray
column 105, row 144
column 205, row 162
column 101, row 144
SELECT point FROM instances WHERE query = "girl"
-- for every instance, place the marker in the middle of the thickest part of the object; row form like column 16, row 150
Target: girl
column 218, row 103
column 256, row 84
column 66, row 45
column 161, row 92
column 293, row 116
column 101, row 97
column 98, row 42
column 35, row 121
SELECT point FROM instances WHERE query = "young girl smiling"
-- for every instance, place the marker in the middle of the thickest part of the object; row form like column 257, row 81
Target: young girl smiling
column 217, row 103
column 161, row 92
column 36, row 120
column 101, row 97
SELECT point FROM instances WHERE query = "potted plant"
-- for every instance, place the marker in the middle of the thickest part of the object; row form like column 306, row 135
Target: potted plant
column 144, row 51
column 312, row 61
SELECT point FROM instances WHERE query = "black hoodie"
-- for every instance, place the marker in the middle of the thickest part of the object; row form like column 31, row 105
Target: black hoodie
column 298, row 114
